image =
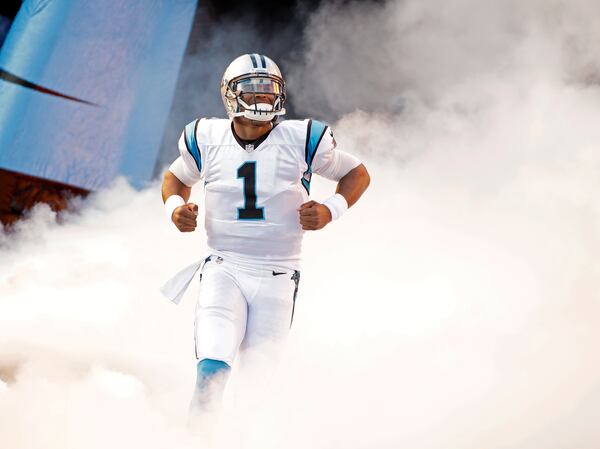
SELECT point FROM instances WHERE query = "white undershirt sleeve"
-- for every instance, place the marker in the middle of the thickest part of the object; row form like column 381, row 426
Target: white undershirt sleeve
column 338, row 165
column 331, row 163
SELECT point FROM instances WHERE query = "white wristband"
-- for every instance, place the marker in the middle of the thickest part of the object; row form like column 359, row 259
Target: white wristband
column 337, row 204
column 172, row 203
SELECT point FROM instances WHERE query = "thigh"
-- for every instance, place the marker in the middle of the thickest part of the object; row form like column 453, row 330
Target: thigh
column 269, row 320
column 270, row 311
column 221, row 314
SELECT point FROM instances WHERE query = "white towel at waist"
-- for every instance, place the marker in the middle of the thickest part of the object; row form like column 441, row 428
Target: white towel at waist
column 175, row 288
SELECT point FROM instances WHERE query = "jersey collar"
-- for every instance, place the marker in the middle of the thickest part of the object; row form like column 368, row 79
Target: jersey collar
column 255, row 143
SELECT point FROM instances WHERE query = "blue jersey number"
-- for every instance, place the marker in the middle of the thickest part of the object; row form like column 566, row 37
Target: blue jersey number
column 247, row 171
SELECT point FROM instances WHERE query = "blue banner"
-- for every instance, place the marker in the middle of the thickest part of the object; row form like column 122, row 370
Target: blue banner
column 86, row 87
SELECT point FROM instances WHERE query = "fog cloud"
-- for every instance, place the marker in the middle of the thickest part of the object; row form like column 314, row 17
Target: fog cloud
column 455, row 306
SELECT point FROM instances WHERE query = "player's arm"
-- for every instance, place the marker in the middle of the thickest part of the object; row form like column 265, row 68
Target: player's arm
column 173, row 186
column 350, row 187
column 349, row 172
column 178, row 180
column 174, row 191
column 354, row 184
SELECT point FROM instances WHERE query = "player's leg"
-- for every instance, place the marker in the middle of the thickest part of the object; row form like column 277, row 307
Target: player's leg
column 220, row 325
column 270, row 311
column 211, row 377
column 271, row 308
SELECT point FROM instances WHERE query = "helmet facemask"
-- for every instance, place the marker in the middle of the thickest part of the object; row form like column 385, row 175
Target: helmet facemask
column 255, row 84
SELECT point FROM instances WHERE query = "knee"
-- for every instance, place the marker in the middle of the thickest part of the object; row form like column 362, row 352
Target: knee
column 212, row 376
column 208, row 368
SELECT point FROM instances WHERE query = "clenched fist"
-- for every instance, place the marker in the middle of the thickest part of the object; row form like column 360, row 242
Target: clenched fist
column 314, row 216
column 185, row 216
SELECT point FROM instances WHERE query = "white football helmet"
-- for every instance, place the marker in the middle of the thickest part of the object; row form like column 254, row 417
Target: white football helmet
column 253, row 73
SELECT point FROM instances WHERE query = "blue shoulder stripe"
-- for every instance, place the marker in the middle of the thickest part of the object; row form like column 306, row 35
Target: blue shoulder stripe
column 314, row 134
column 191, row 143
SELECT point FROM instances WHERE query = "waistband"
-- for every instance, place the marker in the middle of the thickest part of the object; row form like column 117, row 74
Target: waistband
column 255, row 264
column 258, row 269
column 175, row 288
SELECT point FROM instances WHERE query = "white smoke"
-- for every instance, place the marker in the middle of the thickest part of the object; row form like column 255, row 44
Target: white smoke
column 455, row 306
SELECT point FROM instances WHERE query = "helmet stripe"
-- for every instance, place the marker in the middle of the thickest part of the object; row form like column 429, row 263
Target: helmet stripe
column 264, row 63
column 254, row 63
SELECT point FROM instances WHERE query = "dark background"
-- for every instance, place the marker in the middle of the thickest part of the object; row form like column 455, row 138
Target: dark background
column 8, row 11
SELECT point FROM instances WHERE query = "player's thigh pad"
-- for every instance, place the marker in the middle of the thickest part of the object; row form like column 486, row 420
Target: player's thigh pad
column 221, row 314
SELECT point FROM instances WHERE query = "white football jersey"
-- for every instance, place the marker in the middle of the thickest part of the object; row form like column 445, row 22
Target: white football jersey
column 252, row 193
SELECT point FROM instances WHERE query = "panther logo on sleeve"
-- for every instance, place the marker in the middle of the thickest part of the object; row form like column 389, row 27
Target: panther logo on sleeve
column 332, row 138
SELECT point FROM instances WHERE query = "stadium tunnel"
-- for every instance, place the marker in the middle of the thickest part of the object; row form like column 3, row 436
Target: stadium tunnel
column 92, row 91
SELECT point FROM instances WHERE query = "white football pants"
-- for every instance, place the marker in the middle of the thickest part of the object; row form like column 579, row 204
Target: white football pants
column 243, row 307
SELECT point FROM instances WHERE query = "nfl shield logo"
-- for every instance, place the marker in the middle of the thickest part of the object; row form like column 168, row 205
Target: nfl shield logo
column 249, row 148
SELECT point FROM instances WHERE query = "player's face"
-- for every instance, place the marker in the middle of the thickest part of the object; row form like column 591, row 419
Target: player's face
column 250, row 99
column 259, row 97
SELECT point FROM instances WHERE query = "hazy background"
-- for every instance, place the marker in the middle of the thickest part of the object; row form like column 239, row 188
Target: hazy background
column 456, row 306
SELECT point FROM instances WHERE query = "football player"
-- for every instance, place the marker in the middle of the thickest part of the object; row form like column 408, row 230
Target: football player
column 256, row 174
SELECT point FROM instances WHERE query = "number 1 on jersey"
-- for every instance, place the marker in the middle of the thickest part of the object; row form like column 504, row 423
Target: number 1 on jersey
column 249, row 212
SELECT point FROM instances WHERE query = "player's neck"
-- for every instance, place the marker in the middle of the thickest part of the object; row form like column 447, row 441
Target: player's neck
column 251, row 130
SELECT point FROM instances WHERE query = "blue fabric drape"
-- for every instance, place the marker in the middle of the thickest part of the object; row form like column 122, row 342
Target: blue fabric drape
column 86, row 87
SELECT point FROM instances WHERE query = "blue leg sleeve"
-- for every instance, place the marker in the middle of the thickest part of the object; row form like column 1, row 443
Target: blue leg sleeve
column 210, row 382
